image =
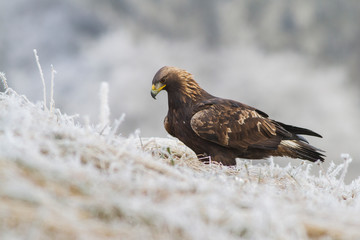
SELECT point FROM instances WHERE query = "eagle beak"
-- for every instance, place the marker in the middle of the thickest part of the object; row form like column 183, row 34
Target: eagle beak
column 153, row 94
column 156, row 89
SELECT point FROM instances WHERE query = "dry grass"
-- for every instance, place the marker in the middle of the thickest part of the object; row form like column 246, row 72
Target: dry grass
column 60, row 180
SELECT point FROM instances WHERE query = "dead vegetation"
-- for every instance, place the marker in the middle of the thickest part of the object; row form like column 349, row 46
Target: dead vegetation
column 61, row 180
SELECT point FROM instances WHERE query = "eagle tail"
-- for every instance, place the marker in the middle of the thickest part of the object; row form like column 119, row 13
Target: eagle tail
column 299, row 130
column 300, row 149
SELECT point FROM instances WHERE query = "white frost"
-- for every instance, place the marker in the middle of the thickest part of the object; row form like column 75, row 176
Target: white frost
column 60, row 180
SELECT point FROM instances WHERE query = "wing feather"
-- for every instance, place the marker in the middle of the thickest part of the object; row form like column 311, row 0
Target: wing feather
column 235, row 125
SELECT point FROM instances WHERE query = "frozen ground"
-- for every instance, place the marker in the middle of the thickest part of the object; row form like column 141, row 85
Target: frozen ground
column 62, row 180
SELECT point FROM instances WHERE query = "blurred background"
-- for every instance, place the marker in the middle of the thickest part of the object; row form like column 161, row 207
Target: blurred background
column 298, row 61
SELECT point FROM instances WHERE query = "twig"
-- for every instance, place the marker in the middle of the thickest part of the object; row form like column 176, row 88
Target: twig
column 52, row 102
column 3, row 79
column 116, row 125
column 104, row 104
column 247, row 171
column 141, row 144
column 103, row 129
column 293, row 177
column 205, row 157
column 259, row 178
column 42, row 77
column 347, row 160
column 271, row 166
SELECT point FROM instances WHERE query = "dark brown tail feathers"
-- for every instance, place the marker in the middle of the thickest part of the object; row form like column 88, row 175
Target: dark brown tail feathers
column 299, row 130
column 299, row 149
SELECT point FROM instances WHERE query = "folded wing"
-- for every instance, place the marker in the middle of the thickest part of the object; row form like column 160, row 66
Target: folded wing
column 235, row 125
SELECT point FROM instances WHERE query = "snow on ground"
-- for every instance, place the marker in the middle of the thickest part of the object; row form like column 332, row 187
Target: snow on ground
column 61, row 180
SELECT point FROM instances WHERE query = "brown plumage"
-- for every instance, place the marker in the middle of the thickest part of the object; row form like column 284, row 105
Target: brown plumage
column 225, row 129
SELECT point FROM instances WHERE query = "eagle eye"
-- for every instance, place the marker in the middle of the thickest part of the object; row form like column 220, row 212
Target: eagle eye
column 163, row 80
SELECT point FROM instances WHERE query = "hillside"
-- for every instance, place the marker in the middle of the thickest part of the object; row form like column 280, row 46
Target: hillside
column 63, row 180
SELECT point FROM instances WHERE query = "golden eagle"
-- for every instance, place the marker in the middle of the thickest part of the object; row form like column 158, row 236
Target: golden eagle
column 224, row 129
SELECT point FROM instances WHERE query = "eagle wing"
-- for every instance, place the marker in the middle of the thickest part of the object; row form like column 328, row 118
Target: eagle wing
column 235, row 125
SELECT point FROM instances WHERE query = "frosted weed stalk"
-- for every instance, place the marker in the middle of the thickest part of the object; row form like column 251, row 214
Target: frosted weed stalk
column 53, row 72
column 104, row 105
column 42, row 77
column 3, row 79
column 52, row 102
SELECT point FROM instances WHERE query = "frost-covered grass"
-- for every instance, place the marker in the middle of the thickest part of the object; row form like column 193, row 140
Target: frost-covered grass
column 61, row 180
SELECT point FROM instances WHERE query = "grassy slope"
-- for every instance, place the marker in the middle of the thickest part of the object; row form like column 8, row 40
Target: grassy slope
column 60, row 180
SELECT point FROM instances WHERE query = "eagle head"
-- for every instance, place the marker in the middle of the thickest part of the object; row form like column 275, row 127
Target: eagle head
column 166, row 78
column 176, row 82
column 160, row 80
